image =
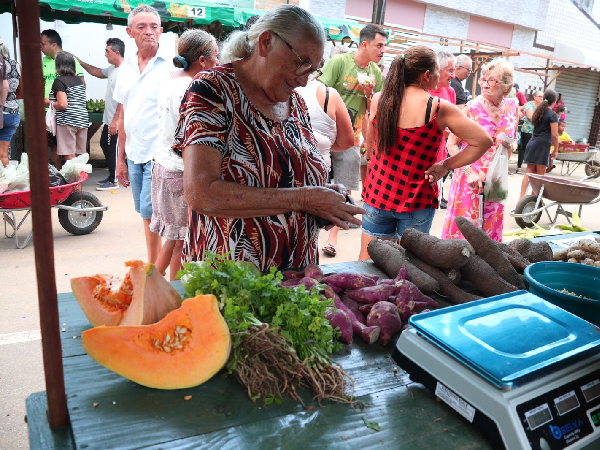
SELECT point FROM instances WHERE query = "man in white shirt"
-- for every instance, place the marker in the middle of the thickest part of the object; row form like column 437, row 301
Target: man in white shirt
column 137, row 93
column 114, row 52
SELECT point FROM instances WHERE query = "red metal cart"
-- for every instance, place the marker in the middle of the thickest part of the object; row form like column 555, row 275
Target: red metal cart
column 80, row 212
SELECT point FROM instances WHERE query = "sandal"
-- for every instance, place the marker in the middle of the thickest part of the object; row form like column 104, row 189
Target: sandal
column 519, row 171
column 329, row 249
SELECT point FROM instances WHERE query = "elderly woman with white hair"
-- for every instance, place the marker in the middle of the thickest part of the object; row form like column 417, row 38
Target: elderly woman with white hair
column 497, row 114
column 254, row 177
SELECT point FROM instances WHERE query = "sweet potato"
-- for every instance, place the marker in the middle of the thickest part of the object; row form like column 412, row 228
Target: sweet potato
column 372, row 294
column 340, row 320
column 349, row 280
column 355, row 308
column 409, row 292
column 407, row 308
column 385, row 315
column 440, row 253
column 391, row 257
column 308, row 283
column 366, row 308
column 290, row 282
column 369, row 334
column 487, row 249
column 313, row 271
column 291, row 274
column 452, row 293
column 485, row 278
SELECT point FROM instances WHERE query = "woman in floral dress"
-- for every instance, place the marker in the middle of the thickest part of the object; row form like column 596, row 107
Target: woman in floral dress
column 497, row 114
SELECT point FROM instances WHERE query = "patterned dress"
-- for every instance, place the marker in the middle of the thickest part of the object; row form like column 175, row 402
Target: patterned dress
column 464, row 201
column 256, row 152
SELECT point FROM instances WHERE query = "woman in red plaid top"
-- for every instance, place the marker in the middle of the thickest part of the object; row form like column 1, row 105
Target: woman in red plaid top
column 404, row 132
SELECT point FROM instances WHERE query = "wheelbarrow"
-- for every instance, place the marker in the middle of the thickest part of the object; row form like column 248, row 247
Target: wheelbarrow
column 573, row 159
column 80, row 212
column 557, row 192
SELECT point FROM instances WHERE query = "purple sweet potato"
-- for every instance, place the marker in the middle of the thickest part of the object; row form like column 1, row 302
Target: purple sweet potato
column 313, row 271
column 340, row 320
column 409, row 291
column 291, row 274
column 372, row 294
column 354, row 307
column 368, row 334
column 385, row 315
column 366, row 308
column 349, row 280
column 308, row 283
column 407, row 308
column 402, row 273
column 374, row 277
column 386, row 281
column 290, row 282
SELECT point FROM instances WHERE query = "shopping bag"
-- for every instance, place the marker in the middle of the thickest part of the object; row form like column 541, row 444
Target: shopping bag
column 51, row 119
column 496, row 180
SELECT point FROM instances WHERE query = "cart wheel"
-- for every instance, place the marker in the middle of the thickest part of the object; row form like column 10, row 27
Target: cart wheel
column 525, row 206
column 79, row 223
column 592, row 168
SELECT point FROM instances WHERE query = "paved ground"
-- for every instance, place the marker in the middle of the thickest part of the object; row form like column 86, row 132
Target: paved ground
column 118, row 238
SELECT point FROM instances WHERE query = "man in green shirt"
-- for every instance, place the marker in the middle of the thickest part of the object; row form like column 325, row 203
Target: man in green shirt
column 356, row 77
column 51, row 45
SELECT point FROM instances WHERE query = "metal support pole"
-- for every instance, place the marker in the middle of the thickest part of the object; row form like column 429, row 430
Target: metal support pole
column 28, row 14
column 378, row 12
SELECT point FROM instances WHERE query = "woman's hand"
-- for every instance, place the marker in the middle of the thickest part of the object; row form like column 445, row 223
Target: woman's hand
column 330, row 204
column 436, row 172
column 474, row 181
column 47, row 102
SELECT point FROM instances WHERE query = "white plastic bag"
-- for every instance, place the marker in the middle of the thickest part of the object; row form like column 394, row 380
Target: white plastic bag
column 496, row 180
column 51, row 119
column 15, row 178
column 71, row 169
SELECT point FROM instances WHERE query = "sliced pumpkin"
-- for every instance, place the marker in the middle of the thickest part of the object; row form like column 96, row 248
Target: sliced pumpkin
column 141, row 298
column 185, row 349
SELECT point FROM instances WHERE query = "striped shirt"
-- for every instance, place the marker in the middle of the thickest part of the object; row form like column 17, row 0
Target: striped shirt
column 76, row 113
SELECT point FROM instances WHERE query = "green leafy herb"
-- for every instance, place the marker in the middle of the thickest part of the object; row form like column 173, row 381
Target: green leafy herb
column 371, row 425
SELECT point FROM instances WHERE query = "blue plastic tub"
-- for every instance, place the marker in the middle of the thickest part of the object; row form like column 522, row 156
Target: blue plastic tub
column 547, row 278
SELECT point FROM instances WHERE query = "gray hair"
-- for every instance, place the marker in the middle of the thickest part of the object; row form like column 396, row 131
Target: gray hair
column 290, row 22
column 4, row 51
column 445, row 58
column 505, row 68
column 141, row 9
column 192, row 45
column 339, row 50
column 462, row 59
column 65, row 64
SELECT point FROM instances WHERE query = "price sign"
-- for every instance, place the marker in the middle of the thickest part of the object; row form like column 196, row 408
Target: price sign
column 197, row 12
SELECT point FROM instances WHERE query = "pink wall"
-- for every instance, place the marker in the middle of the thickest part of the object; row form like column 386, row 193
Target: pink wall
column 490, row 31
column 399, row 12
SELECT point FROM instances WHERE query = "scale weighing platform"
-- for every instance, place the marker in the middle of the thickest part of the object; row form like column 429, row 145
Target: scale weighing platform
column 520, row 368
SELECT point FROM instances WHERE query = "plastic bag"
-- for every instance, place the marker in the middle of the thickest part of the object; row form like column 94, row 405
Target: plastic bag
column 51, row 119
column 71, row 169
column 15, row 178
column 56, row 178
column 496, row 180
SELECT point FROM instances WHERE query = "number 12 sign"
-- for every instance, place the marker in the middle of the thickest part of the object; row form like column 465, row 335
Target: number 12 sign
column 196, row 11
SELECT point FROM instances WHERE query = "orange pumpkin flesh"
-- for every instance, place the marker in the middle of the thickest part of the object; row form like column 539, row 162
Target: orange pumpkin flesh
column 142, row 297
column 185, row 349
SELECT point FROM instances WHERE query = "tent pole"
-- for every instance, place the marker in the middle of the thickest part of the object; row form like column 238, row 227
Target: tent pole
column 28, row 14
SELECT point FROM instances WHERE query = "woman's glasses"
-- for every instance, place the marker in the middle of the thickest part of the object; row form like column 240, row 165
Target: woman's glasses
column 304, row 67
column 490, row 83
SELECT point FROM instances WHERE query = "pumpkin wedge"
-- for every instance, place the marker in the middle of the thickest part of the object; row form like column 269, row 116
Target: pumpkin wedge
column 183, row 350
column 141, row 298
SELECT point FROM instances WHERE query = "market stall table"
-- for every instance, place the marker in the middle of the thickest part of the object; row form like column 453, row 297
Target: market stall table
column 108, row 411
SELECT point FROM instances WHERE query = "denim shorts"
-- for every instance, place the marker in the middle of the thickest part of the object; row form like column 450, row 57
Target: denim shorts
column 11, row 122
column 384, row 224
column 140, row 177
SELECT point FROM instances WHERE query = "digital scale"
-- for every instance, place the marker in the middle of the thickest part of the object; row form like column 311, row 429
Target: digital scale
column 523, row 370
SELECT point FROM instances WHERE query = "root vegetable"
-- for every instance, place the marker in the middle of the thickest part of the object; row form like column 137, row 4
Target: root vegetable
column 521, row 245
column 589, row 246
column 292, row 274
column 407, row 308
column 573, row 260
column 441, row 253
column 308, row 283
column 372, row 294
column 409, row 292
column 313, row 271
column 517, row 260
column 391, row 257
column 340, row 320
column 561, row 255
column 366, row 308
column 539, row 251
column 355, row 308
column 485, row 278
column 453, row 293
column 489, row 251
column 369, row 334
column 453, row 275
column 290, row 282
column 385, row 315
column 349, row 280
column 588, row 262
column 582, row 254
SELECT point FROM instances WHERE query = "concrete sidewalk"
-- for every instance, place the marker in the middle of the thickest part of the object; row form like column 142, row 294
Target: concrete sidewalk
column 119, row 238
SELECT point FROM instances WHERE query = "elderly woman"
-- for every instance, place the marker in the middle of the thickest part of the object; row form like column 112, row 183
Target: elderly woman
column 254, row 178
column 197, row 50
column 406, row 124
column 497, row 114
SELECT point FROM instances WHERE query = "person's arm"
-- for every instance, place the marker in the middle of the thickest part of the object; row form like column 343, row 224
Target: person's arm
column 529, row 113
column 61, row 102
column 95, row 71
column 113, row 128
column 122, row 174
column 478, row 141
column 4, row 92
column 207, row 193
column 554, row 133
column 345, row 132
column 370, row 131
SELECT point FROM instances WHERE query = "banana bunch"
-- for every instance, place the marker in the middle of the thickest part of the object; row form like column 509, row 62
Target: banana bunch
column 95, row 105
